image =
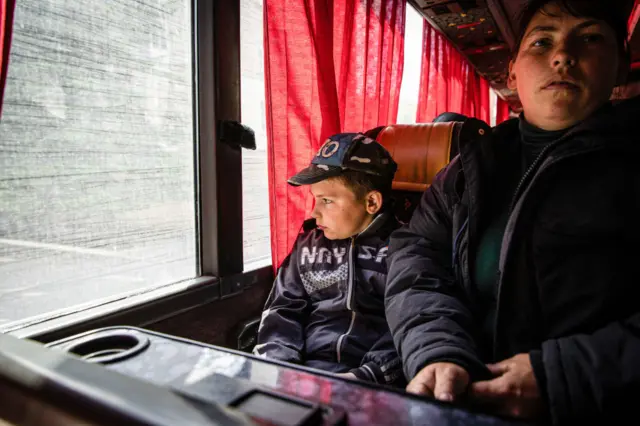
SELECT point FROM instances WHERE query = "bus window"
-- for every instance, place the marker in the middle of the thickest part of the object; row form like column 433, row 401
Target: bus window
column 410, row 87
column 255, row 180
column 97, row 173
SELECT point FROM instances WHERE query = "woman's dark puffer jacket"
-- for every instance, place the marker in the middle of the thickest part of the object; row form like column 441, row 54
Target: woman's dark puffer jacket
column 569, row 283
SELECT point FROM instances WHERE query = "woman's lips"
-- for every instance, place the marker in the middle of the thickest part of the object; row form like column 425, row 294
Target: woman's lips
column 564, row 85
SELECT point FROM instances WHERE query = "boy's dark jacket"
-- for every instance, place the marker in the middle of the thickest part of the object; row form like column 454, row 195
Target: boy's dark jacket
column 326, row 309
column 568, row 282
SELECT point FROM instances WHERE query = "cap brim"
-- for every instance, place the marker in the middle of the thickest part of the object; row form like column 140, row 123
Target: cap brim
column 314, row 174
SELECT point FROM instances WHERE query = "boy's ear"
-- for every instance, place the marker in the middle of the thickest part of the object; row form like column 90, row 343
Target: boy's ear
column 374, row 202
column 511, row 77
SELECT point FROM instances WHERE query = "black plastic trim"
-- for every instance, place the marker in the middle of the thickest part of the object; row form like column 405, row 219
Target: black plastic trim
column 229, row 159
column 206, row 171
column 93, row 394
column 108, row 346
column 504, row 24
column 219, row 165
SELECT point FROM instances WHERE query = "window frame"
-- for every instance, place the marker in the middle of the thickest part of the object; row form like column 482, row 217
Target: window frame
column 218, row 166
column 218, row 196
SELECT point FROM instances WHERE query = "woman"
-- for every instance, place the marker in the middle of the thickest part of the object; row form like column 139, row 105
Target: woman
column 515, row 282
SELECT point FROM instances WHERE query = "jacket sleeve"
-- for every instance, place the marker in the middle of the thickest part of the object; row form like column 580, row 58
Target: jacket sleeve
column 381, row 364
column 281, row 333
column 424, row 305
column 590, row 376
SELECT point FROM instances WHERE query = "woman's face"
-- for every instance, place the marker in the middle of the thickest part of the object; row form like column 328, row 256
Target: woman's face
column 566, row 68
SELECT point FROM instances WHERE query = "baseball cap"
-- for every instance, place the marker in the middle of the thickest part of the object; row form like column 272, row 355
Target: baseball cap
column 346, row 151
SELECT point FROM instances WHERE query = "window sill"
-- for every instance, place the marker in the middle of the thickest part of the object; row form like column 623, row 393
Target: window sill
column 140, row 308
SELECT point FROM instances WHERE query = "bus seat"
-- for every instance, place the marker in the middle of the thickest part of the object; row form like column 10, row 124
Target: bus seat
column 421, row 151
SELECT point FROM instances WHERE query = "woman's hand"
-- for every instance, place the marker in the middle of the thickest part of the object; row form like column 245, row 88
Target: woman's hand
column 513, row 392
column 443, row 380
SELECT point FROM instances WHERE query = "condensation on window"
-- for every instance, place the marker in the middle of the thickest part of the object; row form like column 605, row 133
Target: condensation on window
column 96, row 154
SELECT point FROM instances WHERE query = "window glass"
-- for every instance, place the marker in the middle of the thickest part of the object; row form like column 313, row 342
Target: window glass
column 493, row 106
column 255, row 179
column 410, row 88
column 96, row 154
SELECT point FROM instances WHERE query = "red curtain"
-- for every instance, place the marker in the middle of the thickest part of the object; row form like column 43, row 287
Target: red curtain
column 6, row 24
column 448, row 83
column 502, row 111
column 330, row 66
column 634, row 17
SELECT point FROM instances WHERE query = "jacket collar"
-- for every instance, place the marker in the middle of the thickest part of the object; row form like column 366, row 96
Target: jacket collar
column 614, row 122
column 380, row 221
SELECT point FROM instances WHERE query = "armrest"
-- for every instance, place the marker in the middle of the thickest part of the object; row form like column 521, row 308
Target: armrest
column 248, row 334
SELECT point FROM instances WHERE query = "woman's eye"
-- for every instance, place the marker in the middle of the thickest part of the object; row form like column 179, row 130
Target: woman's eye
column 592, row 38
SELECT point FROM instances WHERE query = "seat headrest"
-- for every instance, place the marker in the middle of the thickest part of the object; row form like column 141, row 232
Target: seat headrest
column 420, row 150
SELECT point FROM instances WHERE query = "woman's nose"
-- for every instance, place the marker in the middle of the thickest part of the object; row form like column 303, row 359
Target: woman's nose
column 563, row 57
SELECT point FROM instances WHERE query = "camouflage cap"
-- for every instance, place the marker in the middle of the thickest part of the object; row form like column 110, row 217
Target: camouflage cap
column 347, row 151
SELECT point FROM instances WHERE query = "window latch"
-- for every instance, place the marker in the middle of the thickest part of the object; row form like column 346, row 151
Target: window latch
column 236, row 135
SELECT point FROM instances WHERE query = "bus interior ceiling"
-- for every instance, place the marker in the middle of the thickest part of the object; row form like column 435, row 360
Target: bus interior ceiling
column 484, row 31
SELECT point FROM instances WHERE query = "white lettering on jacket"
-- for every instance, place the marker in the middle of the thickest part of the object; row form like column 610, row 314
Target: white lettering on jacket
column 314, row 255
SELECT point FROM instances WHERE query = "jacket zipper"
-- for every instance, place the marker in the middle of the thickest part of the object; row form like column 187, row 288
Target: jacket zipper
column 456, row 257
column 349, row 302
column 514, row 200
column 529, row 171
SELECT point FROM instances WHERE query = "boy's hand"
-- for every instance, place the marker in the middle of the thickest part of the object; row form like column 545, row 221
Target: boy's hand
column 347, row 375
column 443, row 380
column 514, row 390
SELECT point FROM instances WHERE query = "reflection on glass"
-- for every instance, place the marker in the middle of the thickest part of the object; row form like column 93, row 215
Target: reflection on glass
column 96, row 153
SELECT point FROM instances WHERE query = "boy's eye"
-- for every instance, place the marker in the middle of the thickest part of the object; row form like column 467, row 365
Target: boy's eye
column 592, row 38
column 326, row 201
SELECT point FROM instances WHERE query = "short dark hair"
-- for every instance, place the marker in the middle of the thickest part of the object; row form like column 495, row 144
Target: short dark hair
column 450, row 116
column 600, row 10
column 363, row 183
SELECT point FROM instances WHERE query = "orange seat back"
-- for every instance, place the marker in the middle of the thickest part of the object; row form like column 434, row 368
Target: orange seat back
column 420, row 150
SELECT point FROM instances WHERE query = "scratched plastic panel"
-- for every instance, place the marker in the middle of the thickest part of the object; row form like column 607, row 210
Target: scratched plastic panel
column 197, row 369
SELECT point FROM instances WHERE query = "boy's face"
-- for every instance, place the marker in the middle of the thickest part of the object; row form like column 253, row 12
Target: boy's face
column 338, row 212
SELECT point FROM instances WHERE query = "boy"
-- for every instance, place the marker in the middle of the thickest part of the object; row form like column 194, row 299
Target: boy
column 326, row 309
